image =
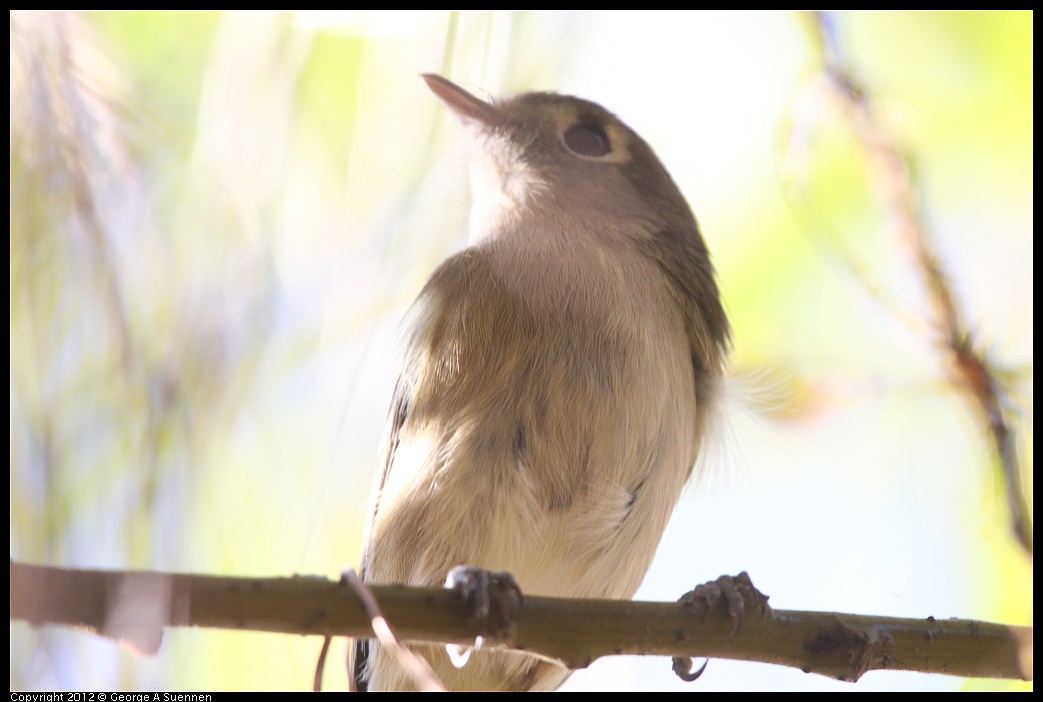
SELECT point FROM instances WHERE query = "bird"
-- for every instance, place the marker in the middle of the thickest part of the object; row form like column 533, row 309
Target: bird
column 560, row 376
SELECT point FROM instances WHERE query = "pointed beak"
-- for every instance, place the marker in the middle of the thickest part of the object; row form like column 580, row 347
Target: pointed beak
column 464, row 106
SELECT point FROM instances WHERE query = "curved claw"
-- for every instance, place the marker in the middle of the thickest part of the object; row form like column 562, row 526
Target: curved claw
column 683, row 668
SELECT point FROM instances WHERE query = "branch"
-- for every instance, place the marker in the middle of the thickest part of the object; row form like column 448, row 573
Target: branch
column 135, row 606
column 893, row 178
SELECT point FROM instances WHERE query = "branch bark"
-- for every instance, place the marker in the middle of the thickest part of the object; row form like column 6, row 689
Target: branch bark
column 135, row 606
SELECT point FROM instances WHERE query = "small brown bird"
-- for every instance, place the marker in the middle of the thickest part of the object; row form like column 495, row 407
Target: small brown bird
column 559, row 377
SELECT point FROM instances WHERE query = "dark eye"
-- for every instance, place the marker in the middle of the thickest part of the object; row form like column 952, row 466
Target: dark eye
column 586, row 140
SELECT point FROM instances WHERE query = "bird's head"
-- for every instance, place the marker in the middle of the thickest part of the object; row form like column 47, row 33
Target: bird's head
column 545, row 155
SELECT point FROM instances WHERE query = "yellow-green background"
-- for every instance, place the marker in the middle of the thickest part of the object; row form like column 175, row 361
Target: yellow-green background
column 217, row 221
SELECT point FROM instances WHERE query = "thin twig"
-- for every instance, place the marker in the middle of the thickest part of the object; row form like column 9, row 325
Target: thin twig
column 895, row 181
column 414, row 666
column 320, row 664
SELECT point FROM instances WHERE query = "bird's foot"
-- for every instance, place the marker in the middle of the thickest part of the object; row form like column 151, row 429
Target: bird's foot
column 728, row 594
column 492, row 598
column 731, row 593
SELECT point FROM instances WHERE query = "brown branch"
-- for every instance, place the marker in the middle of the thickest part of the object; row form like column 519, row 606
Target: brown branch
column 134, row 607
column 892, row 176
